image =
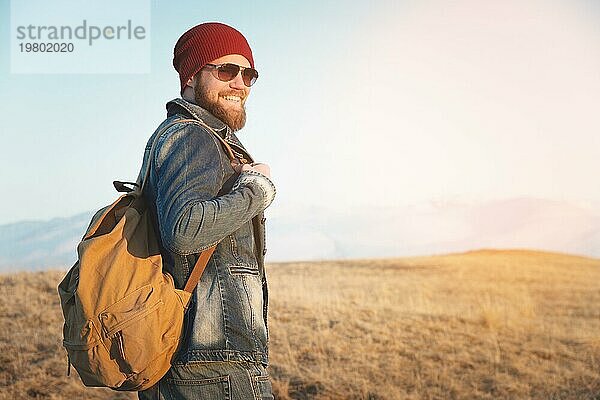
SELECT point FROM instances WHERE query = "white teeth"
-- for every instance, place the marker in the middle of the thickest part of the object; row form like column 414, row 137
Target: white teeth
column 232, row 98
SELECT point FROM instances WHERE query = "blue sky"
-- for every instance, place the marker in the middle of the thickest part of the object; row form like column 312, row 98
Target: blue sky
column 357, row 104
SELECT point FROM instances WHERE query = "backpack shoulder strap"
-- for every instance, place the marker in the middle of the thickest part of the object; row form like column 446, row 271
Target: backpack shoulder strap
column 199, row 268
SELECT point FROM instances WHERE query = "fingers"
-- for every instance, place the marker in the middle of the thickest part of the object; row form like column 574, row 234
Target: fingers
column 263, row 169
column 237, row 166
column 258, row 167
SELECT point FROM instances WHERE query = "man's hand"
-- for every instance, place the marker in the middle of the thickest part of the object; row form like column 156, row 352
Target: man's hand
column 257, row 167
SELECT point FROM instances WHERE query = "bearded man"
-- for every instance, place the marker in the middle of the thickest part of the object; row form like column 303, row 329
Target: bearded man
column 202, row 198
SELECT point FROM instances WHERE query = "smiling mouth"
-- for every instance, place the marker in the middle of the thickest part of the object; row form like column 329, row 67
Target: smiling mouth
column 232, row 99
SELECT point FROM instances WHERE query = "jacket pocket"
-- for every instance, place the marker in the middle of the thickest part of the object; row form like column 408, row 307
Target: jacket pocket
column 206, row 388
column 243, row 270
column 125, row 323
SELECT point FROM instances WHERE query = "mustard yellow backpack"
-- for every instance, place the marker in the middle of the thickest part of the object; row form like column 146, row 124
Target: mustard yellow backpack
column 123, row 315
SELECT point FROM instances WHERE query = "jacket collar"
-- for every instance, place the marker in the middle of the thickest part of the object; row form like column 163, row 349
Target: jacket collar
column 189, row 109
column 181, row 106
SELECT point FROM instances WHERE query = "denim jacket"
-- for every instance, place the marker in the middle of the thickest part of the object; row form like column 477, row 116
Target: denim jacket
column 198, row 200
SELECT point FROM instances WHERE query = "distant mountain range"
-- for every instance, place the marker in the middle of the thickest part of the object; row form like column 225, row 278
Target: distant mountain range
column 434, row 228
column 311, row 233
column 36, row 245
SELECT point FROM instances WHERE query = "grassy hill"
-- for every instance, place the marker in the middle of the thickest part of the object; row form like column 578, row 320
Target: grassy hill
column 479, row 325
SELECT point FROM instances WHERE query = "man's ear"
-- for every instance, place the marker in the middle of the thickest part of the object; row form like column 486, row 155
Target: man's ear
column 192, row 82
column 188, row 91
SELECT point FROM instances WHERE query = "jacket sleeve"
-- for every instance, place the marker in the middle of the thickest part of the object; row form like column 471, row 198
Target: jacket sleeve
column 189, row 175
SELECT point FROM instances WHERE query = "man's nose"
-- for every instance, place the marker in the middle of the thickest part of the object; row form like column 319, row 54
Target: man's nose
column 237, row 82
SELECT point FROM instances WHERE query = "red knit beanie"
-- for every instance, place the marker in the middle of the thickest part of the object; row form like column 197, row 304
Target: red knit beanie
column 204, row 43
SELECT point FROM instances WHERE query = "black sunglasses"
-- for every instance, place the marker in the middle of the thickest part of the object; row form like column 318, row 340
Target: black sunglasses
column 227, row 72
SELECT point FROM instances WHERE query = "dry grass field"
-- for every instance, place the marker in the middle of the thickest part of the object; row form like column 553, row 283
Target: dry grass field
column 479, row 325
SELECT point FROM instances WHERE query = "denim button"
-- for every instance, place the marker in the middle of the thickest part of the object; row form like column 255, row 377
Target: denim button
column 264, row 251
column 262, row 221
